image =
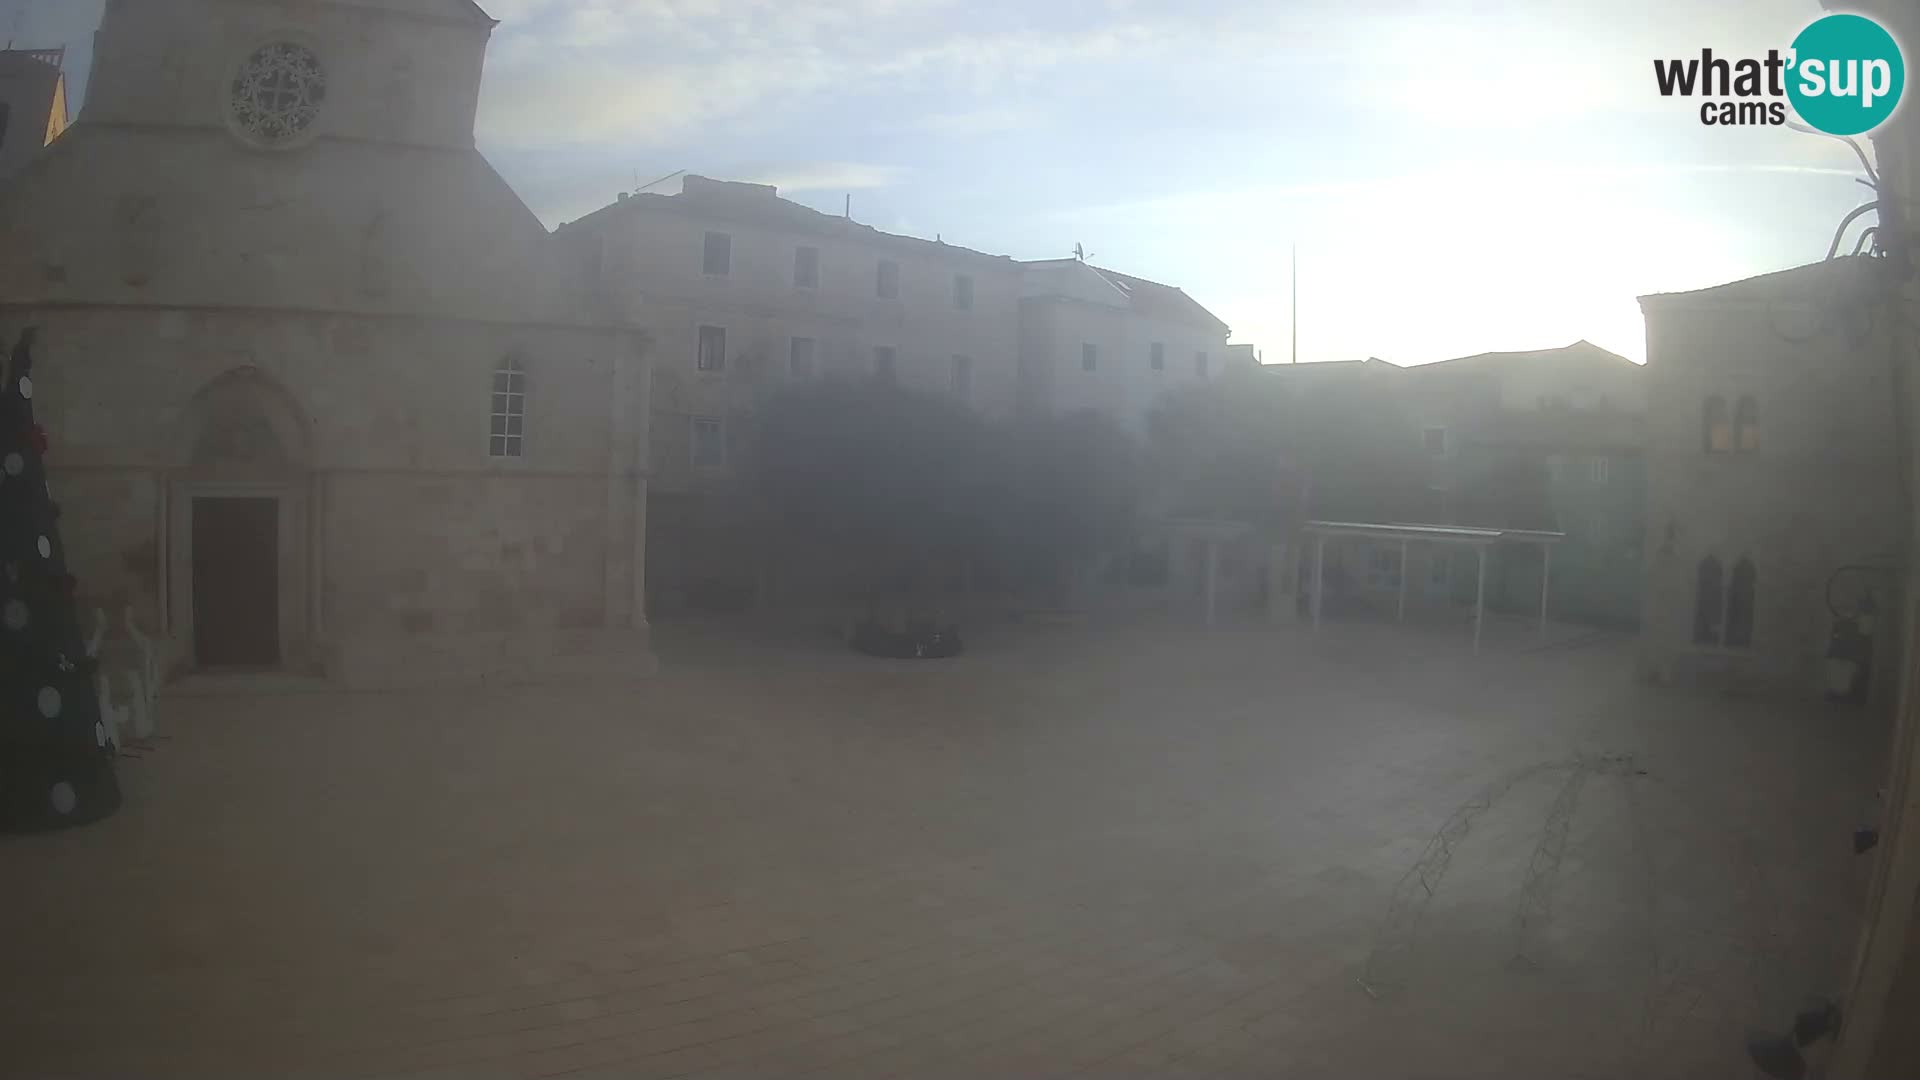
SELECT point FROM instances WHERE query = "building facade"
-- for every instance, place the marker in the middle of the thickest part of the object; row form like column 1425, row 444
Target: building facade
column 33, row 104
column 1551, row 439
column 324, row 396
column 743, row 294
column 1775, row 507
column 1097, row 339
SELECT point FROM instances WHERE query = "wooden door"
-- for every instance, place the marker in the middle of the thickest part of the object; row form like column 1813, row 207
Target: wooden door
column 236, row 582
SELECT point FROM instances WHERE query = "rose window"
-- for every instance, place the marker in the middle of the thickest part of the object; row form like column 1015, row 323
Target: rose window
column 277, row 93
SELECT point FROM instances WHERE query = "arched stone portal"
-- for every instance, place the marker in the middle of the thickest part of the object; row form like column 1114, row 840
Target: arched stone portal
column 241, row 507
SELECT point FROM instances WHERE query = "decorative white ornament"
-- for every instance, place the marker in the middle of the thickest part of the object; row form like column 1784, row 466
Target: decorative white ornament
column 15, row 464
column 49, row 702
column 15, row 615
column 46, row 549
column 277, row 94
column 145, row 680
column 99, row 734
column 63, row 798
column 113, row 718
column 26, row 387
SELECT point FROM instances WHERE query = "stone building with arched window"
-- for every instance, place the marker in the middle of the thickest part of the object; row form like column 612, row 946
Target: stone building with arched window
column 324, row 396
column 1774, row 505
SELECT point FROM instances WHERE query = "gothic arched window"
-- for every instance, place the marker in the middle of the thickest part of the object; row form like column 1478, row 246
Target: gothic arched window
column 1709, row 600
column 1740, row 603
column 1716, row 432
column 1746, row 425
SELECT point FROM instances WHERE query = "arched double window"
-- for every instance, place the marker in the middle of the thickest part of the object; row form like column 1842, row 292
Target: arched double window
column 1709, row 601
column 1723, row 606
column 1746, row 425
column 1740, row 604
column 1724, row 432
column 1716, row 431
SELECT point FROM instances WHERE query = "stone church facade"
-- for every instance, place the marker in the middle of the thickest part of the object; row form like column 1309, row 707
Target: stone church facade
column 323, row 395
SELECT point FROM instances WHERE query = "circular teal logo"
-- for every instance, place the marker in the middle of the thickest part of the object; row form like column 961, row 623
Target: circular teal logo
column 1847, row 74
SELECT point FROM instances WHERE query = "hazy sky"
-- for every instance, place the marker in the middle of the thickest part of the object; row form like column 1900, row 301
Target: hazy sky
column 1458, row 176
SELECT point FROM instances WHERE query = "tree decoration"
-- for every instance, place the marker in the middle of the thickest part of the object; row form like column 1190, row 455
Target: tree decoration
column 56, row 759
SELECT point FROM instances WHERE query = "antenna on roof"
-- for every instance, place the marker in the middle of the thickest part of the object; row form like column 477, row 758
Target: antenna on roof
column 1079, row 252
column 642, row 187
column 848, row 212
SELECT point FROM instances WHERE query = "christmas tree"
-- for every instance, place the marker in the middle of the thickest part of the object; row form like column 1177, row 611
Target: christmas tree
column 56, row 760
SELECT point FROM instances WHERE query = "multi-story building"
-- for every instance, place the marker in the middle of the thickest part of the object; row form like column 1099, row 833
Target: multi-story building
column 745, row 292
column 1544, row 440
column 33, row 104
column 1097, row 339
column 1775, row 507
column 1550, row 439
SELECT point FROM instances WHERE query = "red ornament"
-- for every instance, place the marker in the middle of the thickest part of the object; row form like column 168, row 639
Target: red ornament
column 38, row 436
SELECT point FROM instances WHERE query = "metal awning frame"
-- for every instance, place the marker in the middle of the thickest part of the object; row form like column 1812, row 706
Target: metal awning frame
column 1480, row 539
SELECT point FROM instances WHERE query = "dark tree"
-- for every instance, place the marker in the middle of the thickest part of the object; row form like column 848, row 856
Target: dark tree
column 56, row 760
column 1066, row 489
column 896, row 484
column 1267, row 452
column 917, row 494
column 1511, row 493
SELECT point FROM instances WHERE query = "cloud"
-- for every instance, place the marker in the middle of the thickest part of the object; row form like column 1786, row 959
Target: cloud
column 646, row 71
column 992, row 120
column 1425, row 186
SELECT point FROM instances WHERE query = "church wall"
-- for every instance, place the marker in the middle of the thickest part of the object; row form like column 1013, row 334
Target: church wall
column 414, row 80
column 192, row 218
column 409, row 552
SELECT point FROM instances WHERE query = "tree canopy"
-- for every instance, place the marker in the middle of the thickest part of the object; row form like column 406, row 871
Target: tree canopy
column 1264, row 451
column 911, row 487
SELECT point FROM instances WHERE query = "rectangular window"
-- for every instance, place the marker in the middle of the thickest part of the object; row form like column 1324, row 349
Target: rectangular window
column 1436, row 439
column 806, row 267
column 719, row 255
column 713, row 349
column 1200, row 364
column 509, row 410
column 1597, row 470
column 962, row 379
column 886, row 280
column 800, row 358
column 883, row 365
column 1439, row 569
column 1089, row 357
column 963, row 292
column 1157, row 356
column 709, row 442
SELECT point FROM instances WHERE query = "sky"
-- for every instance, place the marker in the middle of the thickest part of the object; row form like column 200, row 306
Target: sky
column 1457, row 176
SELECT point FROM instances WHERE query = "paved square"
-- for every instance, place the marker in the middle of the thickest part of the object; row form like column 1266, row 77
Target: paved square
column 1084, row 851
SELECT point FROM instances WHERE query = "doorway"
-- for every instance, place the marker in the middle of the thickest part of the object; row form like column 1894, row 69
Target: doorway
column 236, row 581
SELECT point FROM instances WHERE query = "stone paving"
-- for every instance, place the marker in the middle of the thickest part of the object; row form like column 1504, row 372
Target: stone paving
column 1076, row 851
